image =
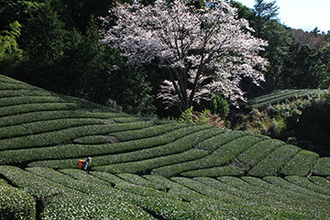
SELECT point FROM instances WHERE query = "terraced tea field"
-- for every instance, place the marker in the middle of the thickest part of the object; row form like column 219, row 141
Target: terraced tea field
column 280, row 96
column 145, row 168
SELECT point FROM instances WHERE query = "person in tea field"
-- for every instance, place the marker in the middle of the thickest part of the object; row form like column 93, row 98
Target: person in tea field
column 83, row 164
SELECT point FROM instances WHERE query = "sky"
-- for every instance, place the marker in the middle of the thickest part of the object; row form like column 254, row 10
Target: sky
column 301, row 14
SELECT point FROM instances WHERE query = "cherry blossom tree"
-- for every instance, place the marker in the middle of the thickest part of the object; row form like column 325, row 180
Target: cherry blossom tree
column 205, row 51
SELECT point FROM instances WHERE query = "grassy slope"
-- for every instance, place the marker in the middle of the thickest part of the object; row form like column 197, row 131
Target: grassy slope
column 150, row 169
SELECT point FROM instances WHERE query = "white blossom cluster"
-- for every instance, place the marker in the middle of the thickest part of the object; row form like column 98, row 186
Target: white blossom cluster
column 205, row 51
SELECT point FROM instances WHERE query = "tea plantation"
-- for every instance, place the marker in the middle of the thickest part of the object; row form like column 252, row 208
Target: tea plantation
column 280, row 96
column 145, row 168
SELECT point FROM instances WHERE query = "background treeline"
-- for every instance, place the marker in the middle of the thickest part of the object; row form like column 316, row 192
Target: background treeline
column 54, row 44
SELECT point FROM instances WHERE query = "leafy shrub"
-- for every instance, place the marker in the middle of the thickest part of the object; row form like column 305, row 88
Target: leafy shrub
column 44, row 126
column 292, row 199
column 25, row 118
column 20, row 109
column 215, row 172
column 322, row 167
column 11, row 85
column 187, row 116
column 217, row 141
column 208, row 191
column 302, row 120
column 26, row 92
column 219, row 157
column 202, row 118
column 144, row 166
column 148, row 132
column 160, row 206
column 82, row 206
column 259, row 151
column 16, row 204
column 76, row 151
column 279, row 96
column 93, row 139
column 163, row 181
column 138, row 180
column 304, row 182
column 308, row 197
column 301, row 164
column 67, row 135
column 10, row 101
column 219, row 106
column 227, row 200
column 37, row 186
column 272, row 165
column 320, row 181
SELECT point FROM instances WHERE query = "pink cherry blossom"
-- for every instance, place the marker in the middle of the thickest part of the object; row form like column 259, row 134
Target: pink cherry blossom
column 205, row 51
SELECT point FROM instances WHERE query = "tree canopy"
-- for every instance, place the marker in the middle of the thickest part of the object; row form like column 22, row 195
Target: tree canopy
column 204, row 51
column 54, row 44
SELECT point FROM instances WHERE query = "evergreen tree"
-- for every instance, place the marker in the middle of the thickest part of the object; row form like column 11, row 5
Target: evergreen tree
column 264, row 12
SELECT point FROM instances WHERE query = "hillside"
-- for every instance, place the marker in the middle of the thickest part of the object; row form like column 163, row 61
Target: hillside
column 145, row 168
column 296, row 116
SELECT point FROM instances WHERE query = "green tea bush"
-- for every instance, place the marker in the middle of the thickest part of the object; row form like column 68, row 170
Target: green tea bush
column 53, row 175
column 16, row 204
column 248, row 191
column 16, row 86
column 212, row 182
column 259, row 151
column 304, row 182
column 172, row 142
column 322, row 167
column 76, row 180
column 35, row 185
column 83, row 206
column 66, row 135
column 108, row 177
column 20, row 100
column 127, row 119
column 174, row 209
column 272, row 164
column 239, row 204
column 301, row 164
column 208, row 191
column 272, row 201
column 320, row 181
column 163, row 181
column 281, row 196
column 44, row 126
column 49, row 114
column 138, row 180
column 149, row 132
column 125, row 185
column 215, row 172
column 119, row 183
column 26, row 118
column 7, row 79
column 188, row 194
column 145, row 165
column 20, row 109
column 93, row 139
column 215, row 142
column 160, row 205
column 279, row 96
column 220, row 157
column 308, row 197
column 17, row 93
column 294, row 190
column 163, row 207
column 76, row 151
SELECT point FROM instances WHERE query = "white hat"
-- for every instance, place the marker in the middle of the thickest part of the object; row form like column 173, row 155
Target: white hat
column 89, row 158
